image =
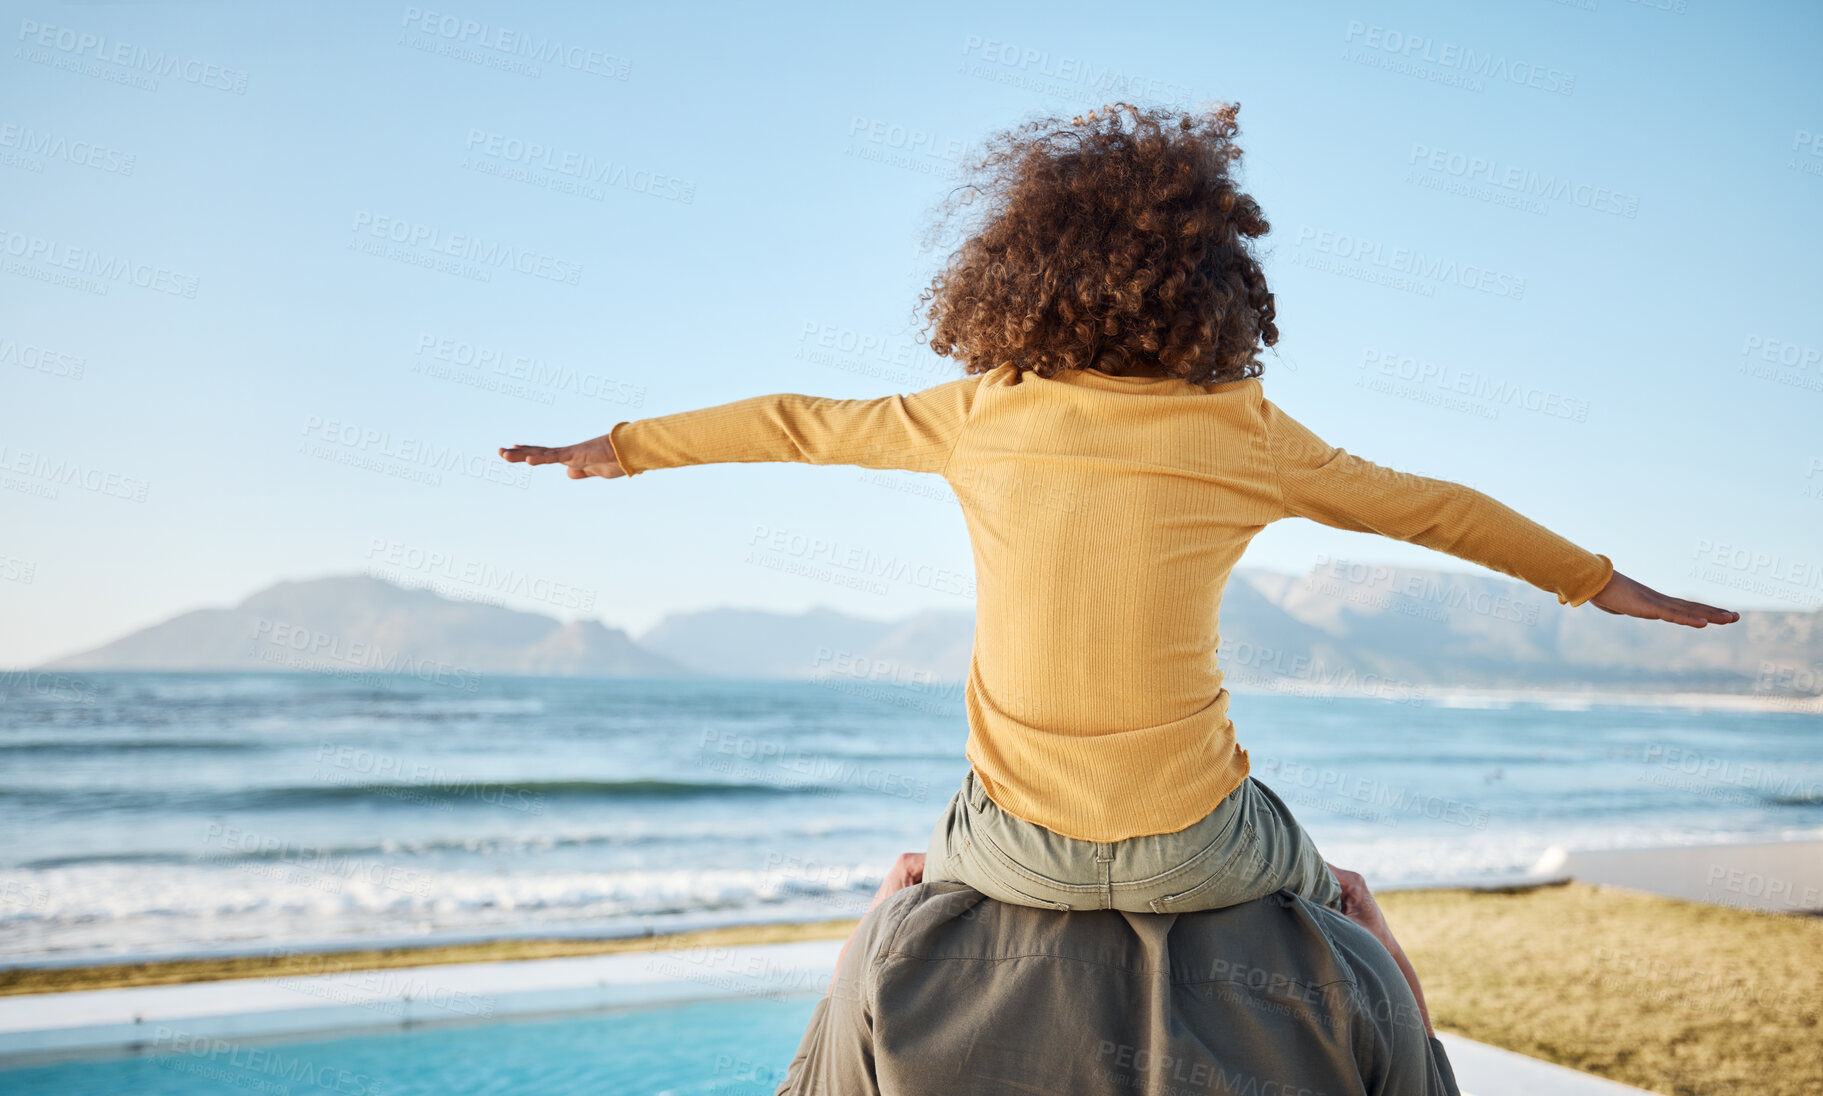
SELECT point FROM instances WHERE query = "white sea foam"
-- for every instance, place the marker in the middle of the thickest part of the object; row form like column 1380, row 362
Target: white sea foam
column 127, row 909
column 130, row 909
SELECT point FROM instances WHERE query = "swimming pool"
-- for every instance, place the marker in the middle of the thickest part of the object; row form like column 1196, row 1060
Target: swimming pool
column 716, row 1048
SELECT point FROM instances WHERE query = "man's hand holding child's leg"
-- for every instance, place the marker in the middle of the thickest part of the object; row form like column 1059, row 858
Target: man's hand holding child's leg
column 907, row 871
column 1358, row 905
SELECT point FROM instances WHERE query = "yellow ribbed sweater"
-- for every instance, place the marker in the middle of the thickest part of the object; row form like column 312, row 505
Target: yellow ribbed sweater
column 1106, row 513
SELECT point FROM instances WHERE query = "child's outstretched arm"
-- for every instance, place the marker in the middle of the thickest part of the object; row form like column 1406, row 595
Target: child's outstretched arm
column 1333, row 486
column 916, row 433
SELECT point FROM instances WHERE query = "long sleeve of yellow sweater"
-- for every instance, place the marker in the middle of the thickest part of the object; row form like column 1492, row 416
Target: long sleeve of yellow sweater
column 1106, row 514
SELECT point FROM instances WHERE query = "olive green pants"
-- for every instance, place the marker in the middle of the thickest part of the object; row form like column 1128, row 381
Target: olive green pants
column 1249, row 846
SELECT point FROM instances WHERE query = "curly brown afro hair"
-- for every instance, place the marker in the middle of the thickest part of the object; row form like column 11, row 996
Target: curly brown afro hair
column 1117, row 241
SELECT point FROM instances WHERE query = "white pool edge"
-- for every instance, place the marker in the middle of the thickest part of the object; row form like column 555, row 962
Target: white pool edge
column 159, row 1019
column 1483, row 1070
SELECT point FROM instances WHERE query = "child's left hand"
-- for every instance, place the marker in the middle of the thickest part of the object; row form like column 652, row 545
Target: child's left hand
column 594, row 457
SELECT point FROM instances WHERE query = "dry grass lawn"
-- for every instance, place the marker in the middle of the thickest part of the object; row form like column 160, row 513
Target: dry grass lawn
column 1675, row 997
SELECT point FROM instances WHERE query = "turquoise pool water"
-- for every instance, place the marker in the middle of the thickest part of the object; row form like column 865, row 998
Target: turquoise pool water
column 719, row 1048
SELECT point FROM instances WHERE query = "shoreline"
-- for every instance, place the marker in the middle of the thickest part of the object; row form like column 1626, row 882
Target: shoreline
column 43, row 980
column 1460, row 696
column 1776, row 878
column 1238, row 682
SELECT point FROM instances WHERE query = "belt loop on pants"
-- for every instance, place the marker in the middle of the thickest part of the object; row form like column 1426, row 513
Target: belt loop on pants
column 977, row 795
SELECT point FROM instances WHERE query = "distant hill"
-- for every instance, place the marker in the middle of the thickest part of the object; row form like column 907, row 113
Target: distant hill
column 356, row 623
column 750, row 643
column 1342, row 628
column 1450, row 629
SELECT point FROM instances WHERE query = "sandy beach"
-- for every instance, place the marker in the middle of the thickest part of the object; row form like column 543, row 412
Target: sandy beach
column 23, row 980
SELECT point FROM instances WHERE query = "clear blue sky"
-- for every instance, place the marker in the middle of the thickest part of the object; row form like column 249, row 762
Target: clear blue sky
column 716, row 182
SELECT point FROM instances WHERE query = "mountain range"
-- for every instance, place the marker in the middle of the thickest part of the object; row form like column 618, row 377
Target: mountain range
column 1342, row 628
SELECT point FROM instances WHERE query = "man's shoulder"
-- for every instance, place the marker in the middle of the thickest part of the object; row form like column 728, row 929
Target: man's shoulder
column 1280, row 938
column 976, row 989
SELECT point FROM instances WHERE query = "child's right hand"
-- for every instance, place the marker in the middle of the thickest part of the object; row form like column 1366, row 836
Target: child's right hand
column 1624, row 597
column 594, row 457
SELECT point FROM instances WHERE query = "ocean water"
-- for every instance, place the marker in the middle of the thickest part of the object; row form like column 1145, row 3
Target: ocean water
column 157, row 814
